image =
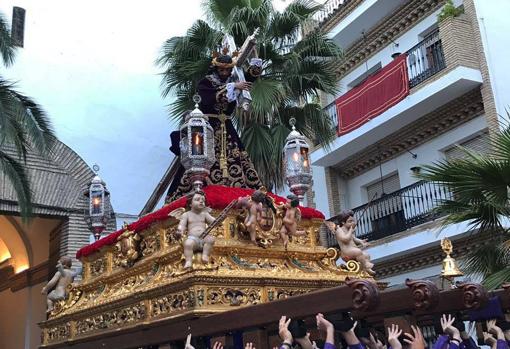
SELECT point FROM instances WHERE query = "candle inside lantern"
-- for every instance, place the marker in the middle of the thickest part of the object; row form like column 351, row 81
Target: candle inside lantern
column 304, row 156
column 96, row 203
column 295, row 156
column 197, row 139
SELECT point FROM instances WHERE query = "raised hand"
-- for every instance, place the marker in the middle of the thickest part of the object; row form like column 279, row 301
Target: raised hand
column 325, row 325
column 489, row 339
column 495, row 330
column 349, row 336
column 305, row 342
column 217, row 345
column 448, row 328
column 415, row 340
column 243, row 85
column 283, row 330
column 393, row 333
column 188, row 343
column 322, row 323
column 249, row 345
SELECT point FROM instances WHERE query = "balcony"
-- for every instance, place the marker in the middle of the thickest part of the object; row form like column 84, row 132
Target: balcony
column 441, row 68
column 424, row 60
column 396, row 212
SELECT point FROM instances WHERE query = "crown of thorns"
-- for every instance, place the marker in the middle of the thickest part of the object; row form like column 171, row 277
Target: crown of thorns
column 224, row 52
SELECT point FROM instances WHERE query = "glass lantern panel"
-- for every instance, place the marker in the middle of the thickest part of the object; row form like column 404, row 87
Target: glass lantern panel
column 304, row 158
column 197, row 140
column 96, row 200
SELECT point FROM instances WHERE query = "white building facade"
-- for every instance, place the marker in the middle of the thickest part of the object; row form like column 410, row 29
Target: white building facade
column 457, row 95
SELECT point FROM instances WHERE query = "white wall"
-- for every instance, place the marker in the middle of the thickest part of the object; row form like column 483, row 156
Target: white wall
column 320, row 189
column 494, row 29
column 427, row 153
column 405, row 42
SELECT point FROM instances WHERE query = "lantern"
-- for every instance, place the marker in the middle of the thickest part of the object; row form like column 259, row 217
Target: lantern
column 298, row 172
column 98, row 196
column 197, row 146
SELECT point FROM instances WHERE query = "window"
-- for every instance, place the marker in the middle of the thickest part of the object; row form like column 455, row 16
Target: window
column 386, row 186
column 386, row 213
column 479, row 144
column 361, row 79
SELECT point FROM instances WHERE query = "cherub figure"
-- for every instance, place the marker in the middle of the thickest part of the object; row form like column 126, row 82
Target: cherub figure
column 350, row 246
column 291, row 219
column 254, row 205
column 195, row 221
column 62, row 278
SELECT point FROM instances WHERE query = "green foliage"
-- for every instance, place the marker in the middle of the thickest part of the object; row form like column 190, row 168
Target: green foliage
column 294, row 73
column 480, row 185
column 24, row 126
column 449, row 10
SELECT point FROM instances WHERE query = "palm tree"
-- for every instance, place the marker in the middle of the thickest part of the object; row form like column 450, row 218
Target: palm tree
column 480, row 186
column 294, row 73
column 23, row 125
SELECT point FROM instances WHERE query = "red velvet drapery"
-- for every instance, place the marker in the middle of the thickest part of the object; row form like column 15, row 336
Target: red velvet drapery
column 378, row 93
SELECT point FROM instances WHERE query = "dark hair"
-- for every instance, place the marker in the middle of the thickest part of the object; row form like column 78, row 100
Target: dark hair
column 294, row 200
column 220, row 59
column 344, row 216
column 189, row 198
column 258, row 196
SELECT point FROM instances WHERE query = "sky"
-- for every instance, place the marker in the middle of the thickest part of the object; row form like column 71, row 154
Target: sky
column 90, row 64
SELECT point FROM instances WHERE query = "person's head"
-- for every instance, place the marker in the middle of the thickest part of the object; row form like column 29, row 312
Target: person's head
column 223, row 66
column 258, row 196
column 66, row 261
column 196, row 201
column 293, row 200
column 346, row 218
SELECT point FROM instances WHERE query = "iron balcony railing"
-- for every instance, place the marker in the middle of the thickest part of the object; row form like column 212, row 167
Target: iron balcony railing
column 425, row 59
column 398, row 211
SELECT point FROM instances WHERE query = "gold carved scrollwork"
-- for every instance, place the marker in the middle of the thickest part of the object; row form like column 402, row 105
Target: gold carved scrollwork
column 58, row 333
column 98, row 266
column 283, row 293
column 111, row 319
column 127, row 248
column 73, row 296
column 172, row 303
column 149, row 245
column 233, row 297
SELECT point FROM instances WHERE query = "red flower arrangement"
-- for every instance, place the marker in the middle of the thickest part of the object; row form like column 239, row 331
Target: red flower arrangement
column 217, row 197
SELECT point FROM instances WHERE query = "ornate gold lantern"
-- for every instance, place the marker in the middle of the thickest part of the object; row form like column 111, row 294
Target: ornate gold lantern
column 98, row 196
column 197, row 146
column 450, row 269
column 298, row 172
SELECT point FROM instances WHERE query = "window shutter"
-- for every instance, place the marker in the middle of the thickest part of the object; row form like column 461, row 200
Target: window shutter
column 390, row 184
column 479, row 144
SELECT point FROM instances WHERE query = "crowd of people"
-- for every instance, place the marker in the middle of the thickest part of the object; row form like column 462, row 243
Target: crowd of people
column 454, row 335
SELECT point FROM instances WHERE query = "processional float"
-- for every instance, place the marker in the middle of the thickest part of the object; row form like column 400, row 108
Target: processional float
column 213, row 250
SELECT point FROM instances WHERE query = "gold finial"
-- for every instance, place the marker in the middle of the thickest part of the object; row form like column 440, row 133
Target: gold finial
column 450, row 269
column 125, row 225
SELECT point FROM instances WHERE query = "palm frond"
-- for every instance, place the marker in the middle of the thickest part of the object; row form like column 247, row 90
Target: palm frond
column 24, row 122
column 279, row 134
column 317, row 44
column 257, row 141
column 497, row 279
column 285, row 26
column 266, row 95
column 16, row 174
column 7, row 47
